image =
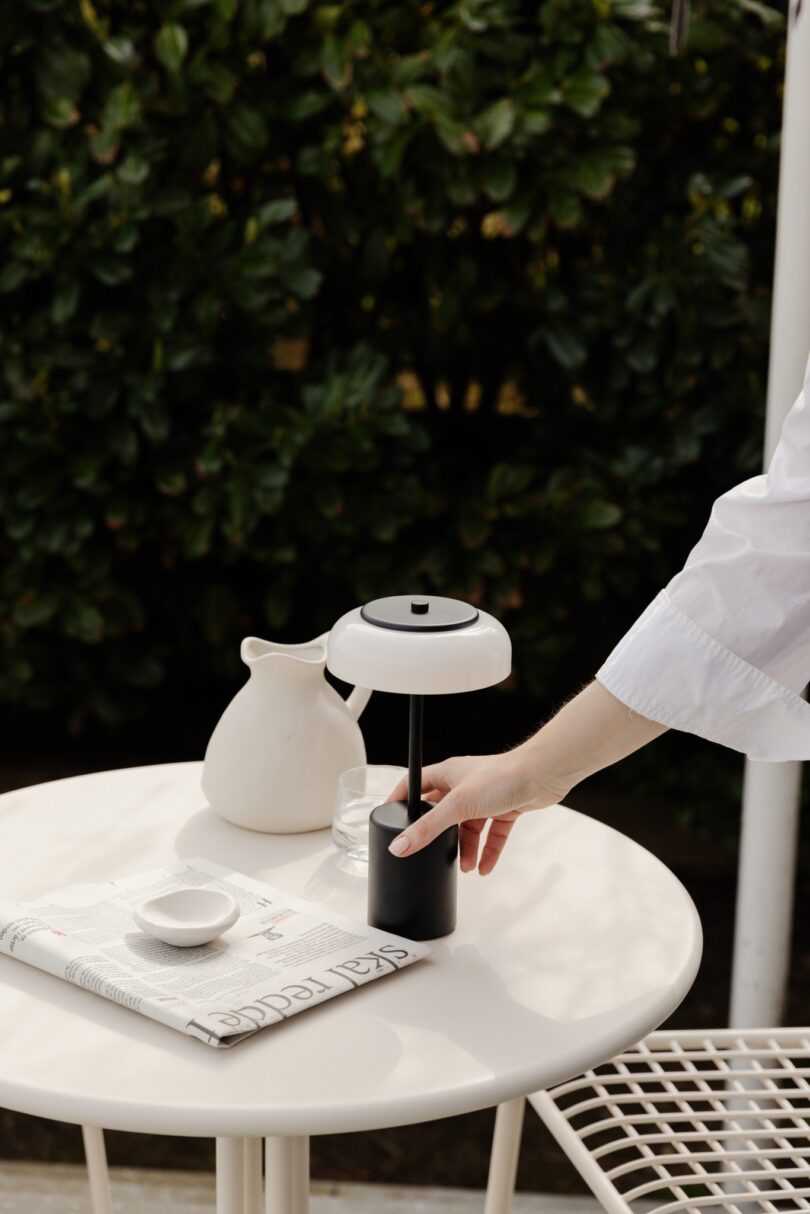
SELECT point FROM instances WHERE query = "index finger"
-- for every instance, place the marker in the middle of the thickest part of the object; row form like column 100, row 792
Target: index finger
column 431, row 782
column 425, row 829
column 400, row 790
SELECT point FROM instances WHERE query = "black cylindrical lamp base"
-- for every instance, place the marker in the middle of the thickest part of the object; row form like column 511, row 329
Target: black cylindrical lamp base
column 412, row 896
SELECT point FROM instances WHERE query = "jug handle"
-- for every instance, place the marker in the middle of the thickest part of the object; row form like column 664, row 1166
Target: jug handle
column 357, row 699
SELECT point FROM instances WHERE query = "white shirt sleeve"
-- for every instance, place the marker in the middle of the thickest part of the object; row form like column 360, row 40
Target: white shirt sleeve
column 724, row 650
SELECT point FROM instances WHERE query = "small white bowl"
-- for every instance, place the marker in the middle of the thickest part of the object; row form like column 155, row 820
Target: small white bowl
column 186, row 917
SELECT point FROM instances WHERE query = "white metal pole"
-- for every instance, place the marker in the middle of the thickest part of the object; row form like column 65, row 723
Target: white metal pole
column 766, row 877
column 286, row 1181
column 230, row 1183
column 770, row 811
column 97, row 1173
column 253, row 1192
column 503, row 1160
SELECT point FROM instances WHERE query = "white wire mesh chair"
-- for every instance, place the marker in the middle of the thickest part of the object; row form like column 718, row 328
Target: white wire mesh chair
column 692, row 1121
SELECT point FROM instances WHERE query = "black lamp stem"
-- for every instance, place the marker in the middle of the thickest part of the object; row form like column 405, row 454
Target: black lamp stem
column 415, row 759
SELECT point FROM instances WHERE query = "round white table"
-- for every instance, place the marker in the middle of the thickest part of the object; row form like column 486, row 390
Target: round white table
column 577, row 946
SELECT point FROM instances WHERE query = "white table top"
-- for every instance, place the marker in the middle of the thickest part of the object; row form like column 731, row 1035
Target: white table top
column 579, row 944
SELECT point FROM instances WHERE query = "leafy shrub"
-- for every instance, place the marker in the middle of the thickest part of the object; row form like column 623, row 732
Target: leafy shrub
column 302, row 304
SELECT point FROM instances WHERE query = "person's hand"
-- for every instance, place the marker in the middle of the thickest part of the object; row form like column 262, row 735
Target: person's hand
column 590, row 732
column 474, row 790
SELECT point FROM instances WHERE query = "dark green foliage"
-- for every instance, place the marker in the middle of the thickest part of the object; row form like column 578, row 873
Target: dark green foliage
column 301, row 304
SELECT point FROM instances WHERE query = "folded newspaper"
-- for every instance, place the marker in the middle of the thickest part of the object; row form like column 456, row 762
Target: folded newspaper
column 282, row 956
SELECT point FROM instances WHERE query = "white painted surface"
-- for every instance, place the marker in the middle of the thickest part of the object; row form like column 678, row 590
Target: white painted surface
column 578, row 945
column 790, row 313
column 253, row 1189
column 503, row 1160
column 231, row 1174
column 286, row 1183
column 98, row 1176
column 771, row 793
column 698, row 1120
column 766, row 884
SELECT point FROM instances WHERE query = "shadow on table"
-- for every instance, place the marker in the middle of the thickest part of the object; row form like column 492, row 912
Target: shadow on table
column 249, row 851
column 335, row 882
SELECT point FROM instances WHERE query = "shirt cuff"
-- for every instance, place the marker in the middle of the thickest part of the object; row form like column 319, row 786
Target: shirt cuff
column 668, row 669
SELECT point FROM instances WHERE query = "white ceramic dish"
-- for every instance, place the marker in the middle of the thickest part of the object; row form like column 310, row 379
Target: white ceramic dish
column 187, row 917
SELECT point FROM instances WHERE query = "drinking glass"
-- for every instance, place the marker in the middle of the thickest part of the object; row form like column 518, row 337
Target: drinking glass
column 359, row 790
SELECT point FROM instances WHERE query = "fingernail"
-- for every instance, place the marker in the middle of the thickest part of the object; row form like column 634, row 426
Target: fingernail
column 399, row 846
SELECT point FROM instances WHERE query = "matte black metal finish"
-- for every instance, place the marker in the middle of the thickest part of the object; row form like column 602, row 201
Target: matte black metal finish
column 432, row 613
column 415, row 759
column 412, row 896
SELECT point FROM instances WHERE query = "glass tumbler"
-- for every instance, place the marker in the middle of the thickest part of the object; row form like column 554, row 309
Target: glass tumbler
column 359, row 790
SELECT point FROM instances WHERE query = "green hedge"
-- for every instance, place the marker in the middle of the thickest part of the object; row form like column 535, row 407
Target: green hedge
column 302, row 304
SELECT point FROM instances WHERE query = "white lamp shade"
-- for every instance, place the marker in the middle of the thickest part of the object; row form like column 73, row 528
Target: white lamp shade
column 420, row 659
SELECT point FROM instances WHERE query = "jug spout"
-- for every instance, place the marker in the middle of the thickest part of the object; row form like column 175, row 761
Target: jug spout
column 357, row 700
column 256, row 653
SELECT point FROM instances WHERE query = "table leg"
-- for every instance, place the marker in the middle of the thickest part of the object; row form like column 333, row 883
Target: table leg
column 97, row 1174
column 504, row 1158
column 230, row 1175
column 252, row 1175
column 286, row 1181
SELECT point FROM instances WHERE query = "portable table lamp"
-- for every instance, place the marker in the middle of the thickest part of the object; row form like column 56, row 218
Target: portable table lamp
column 417, row 646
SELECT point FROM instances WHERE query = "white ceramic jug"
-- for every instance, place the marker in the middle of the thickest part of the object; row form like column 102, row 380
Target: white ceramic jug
column 274, row 758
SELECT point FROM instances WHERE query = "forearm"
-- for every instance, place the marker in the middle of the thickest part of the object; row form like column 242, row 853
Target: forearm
column 592, row 731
